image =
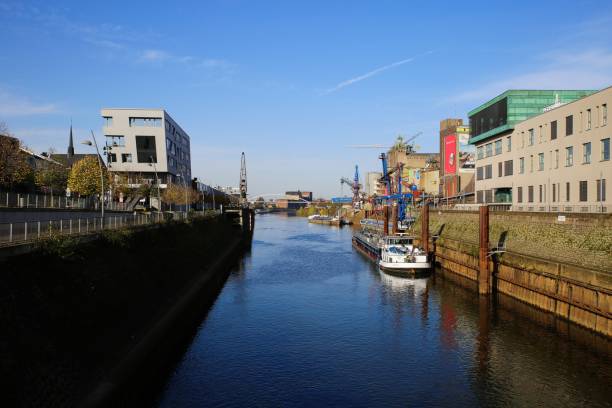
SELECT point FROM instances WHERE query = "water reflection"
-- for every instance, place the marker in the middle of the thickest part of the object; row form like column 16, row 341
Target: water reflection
column 306, row 321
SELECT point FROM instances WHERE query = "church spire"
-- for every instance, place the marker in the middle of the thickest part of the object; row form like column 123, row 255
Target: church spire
column 70, row 143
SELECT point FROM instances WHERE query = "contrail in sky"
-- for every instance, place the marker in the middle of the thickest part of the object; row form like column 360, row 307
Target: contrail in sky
column 370, row 74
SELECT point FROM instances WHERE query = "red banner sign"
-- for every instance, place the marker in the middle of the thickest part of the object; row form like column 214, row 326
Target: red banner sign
column 450, row 154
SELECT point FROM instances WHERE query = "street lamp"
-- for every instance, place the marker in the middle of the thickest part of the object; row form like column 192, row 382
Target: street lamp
column 88, row 143
column 152, row 163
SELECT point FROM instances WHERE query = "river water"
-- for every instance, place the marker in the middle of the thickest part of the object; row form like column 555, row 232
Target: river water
column 307, row 321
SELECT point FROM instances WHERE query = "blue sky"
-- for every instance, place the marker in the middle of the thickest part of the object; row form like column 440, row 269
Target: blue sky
column 291, row 83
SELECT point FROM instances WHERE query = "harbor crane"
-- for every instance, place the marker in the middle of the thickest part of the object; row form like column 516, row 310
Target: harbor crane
column 355, row 186
column 244, row 202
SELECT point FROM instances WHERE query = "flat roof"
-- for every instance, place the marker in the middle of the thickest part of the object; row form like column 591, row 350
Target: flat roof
column 526, row 92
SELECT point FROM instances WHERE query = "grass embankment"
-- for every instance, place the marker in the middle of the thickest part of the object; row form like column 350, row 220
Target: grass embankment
column 70, row 310
column 327, row 210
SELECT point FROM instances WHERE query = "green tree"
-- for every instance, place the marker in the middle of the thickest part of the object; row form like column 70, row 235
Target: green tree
column 84, row 178
column 52, row 176
column 177, row 194
column 14, row 169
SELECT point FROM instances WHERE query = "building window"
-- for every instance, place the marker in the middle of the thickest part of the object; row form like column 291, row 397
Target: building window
column 112, row 158
column 148, row 122
column 115, row 140
column 479, row 152
column 508, row 168
column 479, row 173
column 522, row 140
column 556, row 158
column 489, row 149
column 589, row 120
column 569, row 156
column 489, row 171
column 601, row 190
column 530, row 194
column 583, row 191
column 531, row 137
column 498, row 146
column 522, row 165
column 509, row 143
column 108, row 121
column 554, row 192
column 586, row 153
column 126, row 157
column 553, row 130
column 540, row 161
column 569, row 125
column 540, row 136
column 519, row 194
column 489, row 196
column 604, row 114
column 500, row 169
column 531, row 163
column 145, row 149
column 541, row 195
column 479, row 197
column 567, row 191
column 605, row 149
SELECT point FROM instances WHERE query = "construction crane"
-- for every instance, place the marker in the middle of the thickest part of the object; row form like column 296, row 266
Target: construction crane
column 243, row 182
column 355, row 186
column 399, row 143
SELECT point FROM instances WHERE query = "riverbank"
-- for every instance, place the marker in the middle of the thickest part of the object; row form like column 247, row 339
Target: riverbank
column 71, row 312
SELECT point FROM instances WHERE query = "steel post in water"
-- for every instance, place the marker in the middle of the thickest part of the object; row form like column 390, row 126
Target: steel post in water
column 425, row 228
column 484, row 279
column 394, row 219
column 386, row 224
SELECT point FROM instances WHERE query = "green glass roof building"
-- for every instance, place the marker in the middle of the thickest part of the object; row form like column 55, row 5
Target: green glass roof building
column 500, row 114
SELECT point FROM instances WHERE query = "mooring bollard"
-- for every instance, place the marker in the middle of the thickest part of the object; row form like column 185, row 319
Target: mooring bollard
column 484, row 280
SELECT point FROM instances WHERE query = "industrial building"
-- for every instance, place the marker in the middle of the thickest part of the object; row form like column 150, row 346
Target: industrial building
column 557, row 160
column 459, row 162
column 415, row 165
column 140, row 143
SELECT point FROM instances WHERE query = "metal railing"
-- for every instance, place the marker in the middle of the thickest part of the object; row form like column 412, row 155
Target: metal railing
column 18, row 233
column 10, row 199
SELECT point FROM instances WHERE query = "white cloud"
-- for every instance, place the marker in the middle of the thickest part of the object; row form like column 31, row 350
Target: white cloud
column 369, row 74
column 14, row 105
column 591, row 69
column 159, row 56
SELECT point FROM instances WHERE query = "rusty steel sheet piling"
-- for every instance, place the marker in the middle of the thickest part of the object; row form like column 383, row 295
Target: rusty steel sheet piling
column 484, row 279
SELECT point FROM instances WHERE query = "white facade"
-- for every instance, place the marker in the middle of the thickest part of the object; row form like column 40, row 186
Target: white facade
column 556, row 161
column 142, row 141
column 372, row 182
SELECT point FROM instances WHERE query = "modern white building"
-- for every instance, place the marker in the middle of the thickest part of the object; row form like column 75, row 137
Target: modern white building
column 142, row 142
column 558, row 160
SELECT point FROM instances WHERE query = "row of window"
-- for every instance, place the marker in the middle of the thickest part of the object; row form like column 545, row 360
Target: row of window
column 583, row 192
column 125, row 157
column 487, row 150
column 134, row 121
column 569, row 156
column 506, row 168
column 180, row 139
column 569, row 126
column 538, row 193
